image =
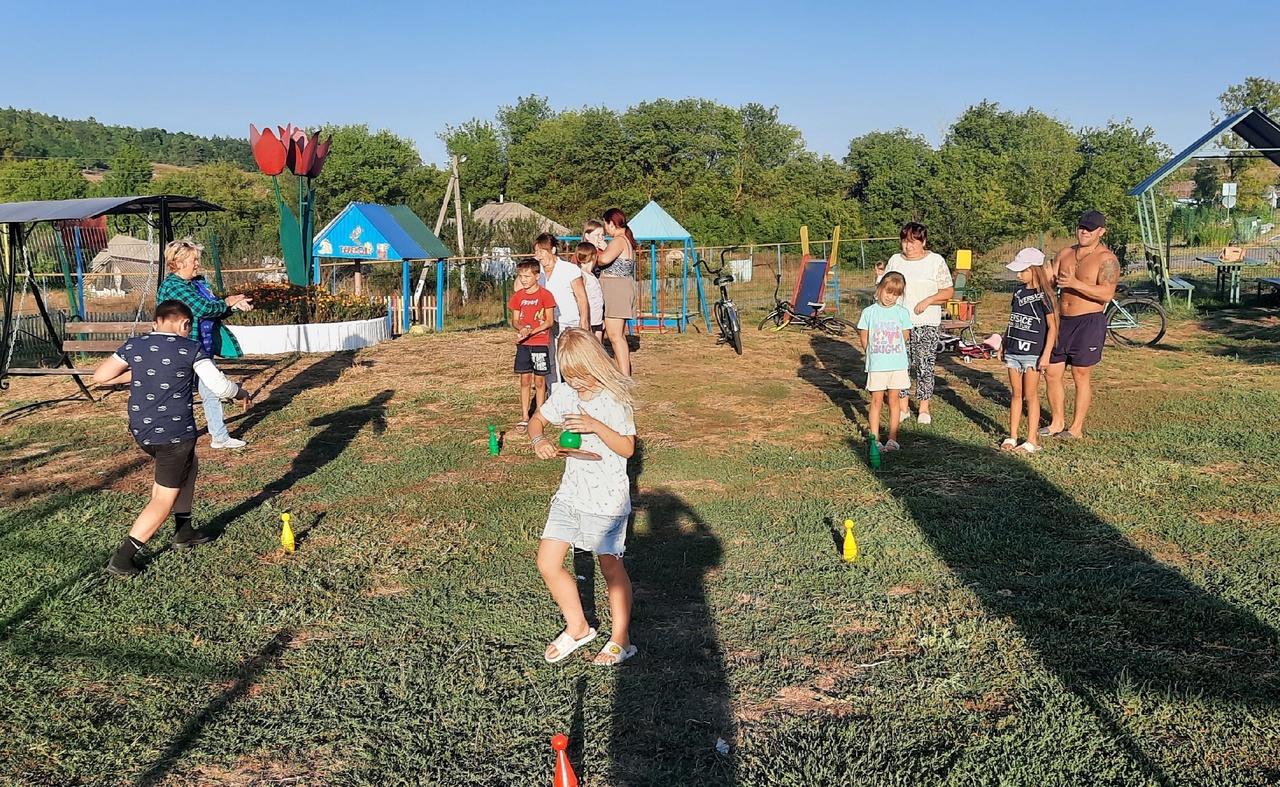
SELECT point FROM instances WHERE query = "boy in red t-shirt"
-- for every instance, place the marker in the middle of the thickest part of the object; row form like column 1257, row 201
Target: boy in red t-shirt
column 532, row 313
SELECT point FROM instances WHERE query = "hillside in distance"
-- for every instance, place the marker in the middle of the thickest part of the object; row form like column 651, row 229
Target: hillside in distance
column 25, row 133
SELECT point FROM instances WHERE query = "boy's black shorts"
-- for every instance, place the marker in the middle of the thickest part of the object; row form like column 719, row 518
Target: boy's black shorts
column 173, row 462
column 534, row 359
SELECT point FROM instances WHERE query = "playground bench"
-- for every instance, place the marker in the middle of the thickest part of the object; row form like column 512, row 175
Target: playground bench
column 1273, row 283
column 121, row 330
column 1181, row 285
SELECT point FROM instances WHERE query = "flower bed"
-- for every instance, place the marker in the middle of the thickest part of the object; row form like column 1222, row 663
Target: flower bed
column 287, row 318
column 287, row 304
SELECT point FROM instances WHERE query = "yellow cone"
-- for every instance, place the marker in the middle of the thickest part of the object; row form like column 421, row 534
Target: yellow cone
column 286, row 534
column 850, row 544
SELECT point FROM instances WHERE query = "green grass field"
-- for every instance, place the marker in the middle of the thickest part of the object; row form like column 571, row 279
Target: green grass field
column 1104, row 612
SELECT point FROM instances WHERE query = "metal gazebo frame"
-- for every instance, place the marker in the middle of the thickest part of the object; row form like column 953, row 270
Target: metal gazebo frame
column 19, row 219
column 1260, row 132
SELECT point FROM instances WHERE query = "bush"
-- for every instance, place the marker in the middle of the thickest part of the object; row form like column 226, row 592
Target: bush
column 288, row 304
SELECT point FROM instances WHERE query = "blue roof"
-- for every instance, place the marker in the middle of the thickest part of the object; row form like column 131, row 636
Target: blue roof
column 364, row 231
column 654, row 223
column 1251, row 125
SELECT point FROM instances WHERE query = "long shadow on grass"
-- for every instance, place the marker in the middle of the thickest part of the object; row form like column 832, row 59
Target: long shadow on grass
column 1104, row 616
column 340, row 428
column 986, row 382
column 672, row 700
column 833, row 365
column 264, row 659
column 317, row 375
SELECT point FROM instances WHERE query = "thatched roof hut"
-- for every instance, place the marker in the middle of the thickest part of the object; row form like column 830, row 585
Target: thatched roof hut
column 499, row 212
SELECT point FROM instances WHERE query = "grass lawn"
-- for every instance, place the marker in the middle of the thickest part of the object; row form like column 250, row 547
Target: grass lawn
column 1104, row 612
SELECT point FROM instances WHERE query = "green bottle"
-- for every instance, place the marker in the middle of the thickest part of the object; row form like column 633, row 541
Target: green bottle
column 873, row 453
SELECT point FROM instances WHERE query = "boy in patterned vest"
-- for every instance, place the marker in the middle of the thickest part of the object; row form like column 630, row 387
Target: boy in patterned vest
column 162, row 368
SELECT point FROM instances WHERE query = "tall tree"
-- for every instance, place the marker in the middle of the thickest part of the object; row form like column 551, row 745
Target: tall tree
column 366, row 167
column 1253, row 92
column 130, row 174
column 516, row 122
column 1115, row 159
column 575, row 166
column 891, row 172
column 41, row 179
column 484, row 173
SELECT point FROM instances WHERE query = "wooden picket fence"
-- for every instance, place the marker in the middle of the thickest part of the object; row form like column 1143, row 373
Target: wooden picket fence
column 422, row 311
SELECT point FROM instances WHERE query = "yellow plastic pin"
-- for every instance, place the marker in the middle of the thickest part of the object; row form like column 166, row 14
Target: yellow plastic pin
column 286, row 534
column 850, row 543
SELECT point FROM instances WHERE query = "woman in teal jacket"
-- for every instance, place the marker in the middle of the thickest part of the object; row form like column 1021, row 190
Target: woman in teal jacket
column 182, row 260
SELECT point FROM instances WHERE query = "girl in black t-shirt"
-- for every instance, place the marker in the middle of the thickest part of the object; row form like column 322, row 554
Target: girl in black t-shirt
column 1033, row 329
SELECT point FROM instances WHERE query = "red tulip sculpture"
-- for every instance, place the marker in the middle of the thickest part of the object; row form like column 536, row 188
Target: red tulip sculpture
column 304, row 156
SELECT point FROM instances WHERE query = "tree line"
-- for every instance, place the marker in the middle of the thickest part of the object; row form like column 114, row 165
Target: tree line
column 728, row 174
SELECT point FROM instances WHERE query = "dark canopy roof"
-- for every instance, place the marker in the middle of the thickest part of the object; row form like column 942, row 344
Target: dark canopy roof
column 1255, row 128
column 73, row 209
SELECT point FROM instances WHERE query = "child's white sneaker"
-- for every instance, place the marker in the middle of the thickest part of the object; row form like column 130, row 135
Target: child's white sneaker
column 905, row 415
column 925, row 418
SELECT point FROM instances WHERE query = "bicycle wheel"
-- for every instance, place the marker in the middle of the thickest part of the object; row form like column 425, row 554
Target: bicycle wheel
column 722, row 323
column 777, row 319
column 837, row 326
column 1136, row 322
column 734, row 327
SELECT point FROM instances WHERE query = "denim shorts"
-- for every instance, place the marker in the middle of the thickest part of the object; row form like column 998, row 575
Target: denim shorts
column 604, row 535
column 1021, row 363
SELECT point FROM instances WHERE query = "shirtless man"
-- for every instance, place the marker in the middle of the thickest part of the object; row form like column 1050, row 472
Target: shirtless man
column 1087, row 274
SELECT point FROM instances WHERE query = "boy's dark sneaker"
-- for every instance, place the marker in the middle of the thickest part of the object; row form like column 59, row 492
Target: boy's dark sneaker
column 191, row 538
column 122, row 568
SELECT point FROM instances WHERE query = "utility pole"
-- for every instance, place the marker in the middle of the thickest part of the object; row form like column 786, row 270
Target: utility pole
column 451, row 191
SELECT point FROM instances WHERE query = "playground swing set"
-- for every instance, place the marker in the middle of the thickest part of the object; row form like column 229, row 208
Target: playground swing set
column 19, row 223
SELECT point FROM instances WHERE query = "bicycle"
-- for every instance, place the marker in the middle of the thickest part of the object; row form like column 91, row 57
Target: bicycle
column 1135, row 320
column 725, row 310
column 784, row 314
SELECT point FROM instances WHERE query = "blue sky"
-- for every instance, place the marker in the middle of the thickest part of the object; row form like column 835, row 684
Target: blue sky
column 835, row 70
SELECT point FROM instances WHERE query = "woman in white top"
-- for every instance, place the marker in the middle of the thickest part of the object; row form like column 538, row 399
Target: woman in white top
column 929, row 286
column 617, row 266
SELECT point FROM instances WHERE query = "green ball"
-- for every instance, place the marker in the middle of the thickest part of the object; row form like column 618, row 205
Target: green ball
column 570, row 440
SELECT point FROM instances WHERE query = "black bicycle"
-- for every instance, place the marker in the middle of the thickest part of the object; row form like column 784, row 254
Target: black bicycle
column 725, row 310
column 784, row 314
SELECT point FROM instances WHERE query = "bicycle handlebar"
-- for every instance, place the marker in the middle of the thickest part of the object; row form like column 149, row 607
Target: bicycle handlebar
column 717, row 271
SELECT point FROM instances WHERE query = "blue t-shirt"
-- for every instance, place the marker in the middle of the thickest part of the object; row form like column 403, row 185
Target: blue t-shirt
column 1028, row 330
column 163, row 389
column 886, row 346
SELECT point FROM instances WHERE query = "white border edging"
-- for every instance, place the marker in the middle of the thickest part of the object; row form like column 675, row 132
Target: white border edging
column 318, row 337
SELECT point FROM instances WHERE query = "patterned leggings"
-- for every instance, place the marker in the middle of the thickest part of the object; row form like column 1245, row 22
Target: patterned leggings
column 923, row 349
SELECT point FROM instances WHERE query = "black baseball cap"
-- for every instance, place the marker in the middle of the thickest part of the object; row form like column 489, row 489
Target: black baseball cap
column 1091, row 220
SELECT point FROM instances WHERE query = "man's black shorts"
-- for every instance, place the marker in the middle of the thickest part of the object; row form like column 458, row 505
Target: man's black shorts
column 173, row 462
column 535, row 359
column 1080, row 340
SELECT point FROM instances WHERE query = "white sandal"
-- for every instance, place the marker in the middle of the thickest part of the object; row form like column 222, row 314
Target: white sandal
column 1008, row 444
column 1030, row 448
column 617, row 652
column 566, row 644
